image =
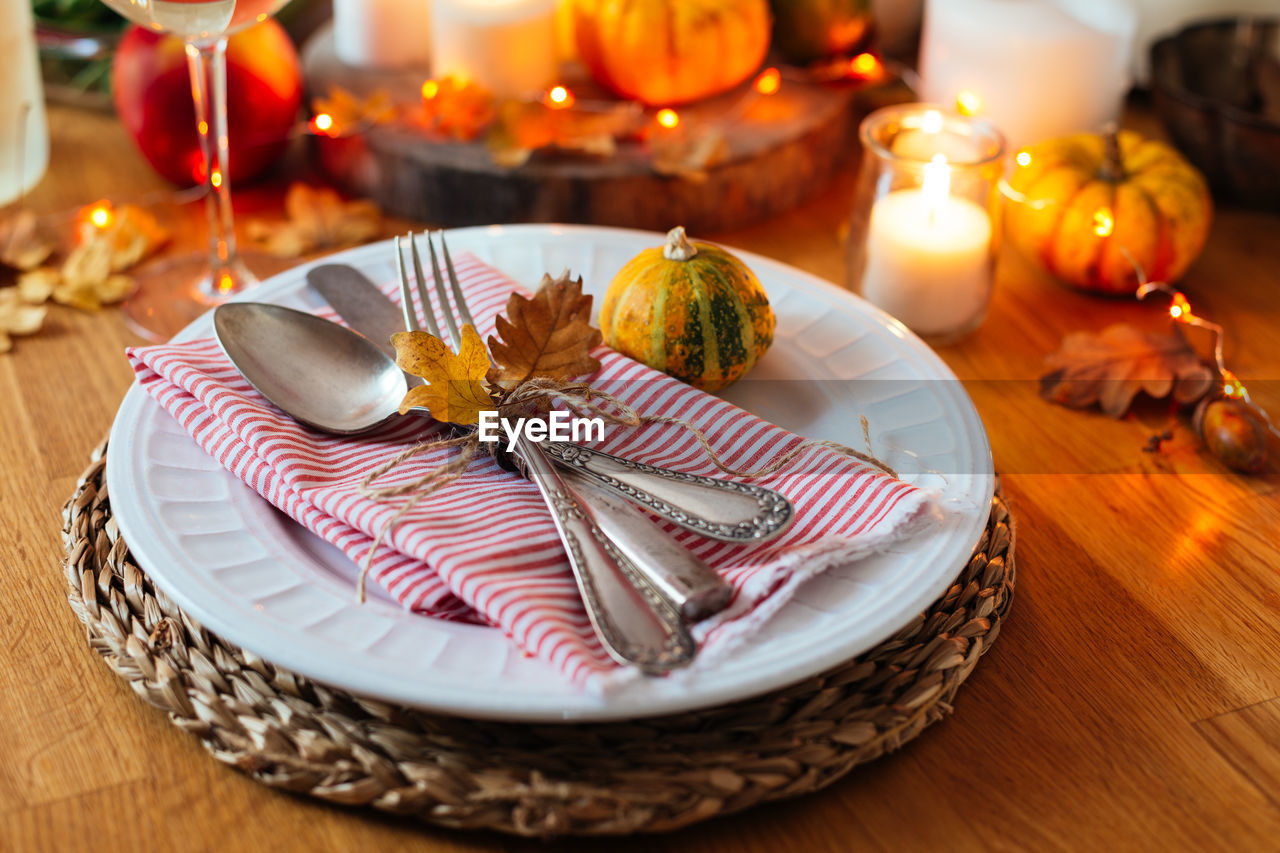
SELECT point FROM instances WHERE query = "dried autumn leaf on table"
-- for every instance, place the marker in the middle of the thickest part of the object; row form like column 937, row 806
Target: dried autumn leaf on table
column 317, row 219
column 17, row 317
column 133, row 235
column 1110, row 368
column 457, row 110
column 35, row 287
column 548, row 336
column 523, row 127
column 22, row 244
column 689, row 156
column 454, row 392
column 347, row 112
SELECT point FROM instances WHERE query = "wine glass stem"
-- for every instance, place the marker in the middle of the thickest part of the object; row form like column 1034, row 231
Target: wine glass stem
column 208, row 65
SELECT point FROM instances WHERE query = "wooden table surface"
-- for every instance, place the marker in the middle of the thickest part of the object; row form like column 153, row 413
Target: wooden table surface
column 1133, row 700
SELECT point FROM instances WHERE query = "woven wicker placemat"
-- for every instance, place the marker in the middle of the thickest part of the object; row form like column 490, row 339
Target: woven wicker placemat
column 649, row 775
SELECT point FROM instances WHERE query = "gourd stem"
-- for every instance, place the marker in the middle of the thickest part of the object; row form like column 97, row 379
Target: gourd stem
column 1112, row 163
column 678, row 247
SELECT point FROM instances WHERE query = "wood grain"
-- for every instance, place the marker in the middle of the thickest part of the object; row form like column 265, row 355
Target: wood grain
column 1133, row 701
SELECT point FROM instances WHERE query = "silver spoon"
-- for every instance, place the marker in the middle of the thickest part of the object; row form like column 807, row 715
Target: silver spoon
column 331, row 379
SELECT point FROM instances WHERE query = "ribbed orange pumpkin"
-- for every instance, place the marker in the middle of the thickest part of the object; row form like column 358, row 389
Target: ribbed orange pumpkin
column 1091, row 205
column 671, row 51
column 692, row 310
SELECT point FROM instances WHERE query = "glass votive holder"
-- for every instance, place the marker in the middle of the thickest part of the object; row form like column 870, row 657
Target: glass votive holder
column 924, row 232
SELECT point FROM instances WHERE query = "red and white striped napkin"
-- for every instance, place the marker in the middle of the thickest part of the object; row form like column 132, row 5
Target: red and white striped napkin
column 484, row 548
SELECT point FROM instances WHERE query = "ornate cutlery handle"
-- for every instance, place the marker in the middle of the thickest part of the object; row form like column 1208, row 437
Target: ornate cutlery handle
column 635, row 623
column 685, row 580
column 719, row 509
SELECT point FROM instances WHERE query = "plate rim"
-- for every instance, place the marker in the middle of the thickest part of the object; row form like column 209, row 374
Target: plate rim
column 357, row 680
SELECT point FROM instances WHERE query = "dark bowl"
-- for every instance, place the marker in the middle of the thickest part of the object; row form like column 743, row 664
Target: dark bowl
column 1216, row 86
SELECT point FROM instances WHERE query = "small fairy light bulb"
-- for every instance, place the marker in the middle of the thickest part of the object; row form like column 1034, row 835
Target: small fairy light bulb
column 559, row 98
column 769, row 81
column 1024, row 158
column 1180, row 308
column 322, row 123
column 216, row 178
column 668, row 118
column 1232, row 387
column 968, row 103
column 430, row 88
column 1103, row 222
column 101, row 215
column 864, row 65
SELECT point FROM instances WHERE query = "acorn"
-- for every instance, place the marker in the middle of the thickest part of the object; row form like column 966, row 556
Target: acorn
column 1233, row 432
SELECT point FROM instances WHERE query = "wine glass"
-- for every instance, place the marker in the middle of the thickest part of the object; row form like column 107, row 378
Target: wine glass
column 178, row 293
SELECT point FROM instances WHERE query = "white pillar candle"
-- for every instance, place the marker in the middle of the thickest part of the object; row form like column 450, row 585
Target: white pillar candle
column 1038, row 69
column 505, row 46
column 928, row 255
column 24, row 132
column 382, row 33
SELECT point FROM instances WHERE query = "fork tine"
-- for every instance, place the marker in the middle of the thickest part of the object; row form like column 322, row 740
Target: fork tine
column 428, row 315
column 461, row 301
column 406, row 300
column 441, row 294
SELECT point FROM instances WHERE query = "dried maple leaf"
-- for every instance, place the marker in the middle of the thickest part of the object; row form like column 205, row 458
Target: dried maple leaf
column 317, row 219
column 35, row 287
column 23, row 245
column 548, row 336
column 523, row 127
column 456, row 109
column 454, row 392
column 1110, row 368
column 17, row 317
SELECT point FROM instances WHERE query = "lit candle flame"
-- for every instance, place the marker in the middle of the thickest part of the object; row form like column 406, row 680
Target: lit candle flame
column 936, row 185
column 968, row 104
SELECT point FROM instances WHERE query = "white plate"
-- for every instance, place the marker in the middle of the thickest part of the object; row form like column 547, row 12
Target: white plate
column 252, row 575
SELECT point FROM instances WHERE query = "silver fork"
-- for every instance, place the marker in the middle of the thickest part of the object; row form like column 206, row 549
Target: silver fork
column 635, row 623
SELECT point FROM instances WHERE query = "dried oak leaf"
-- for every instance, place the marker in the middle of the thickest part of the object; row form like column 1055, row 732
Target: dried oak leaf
column 17, row 317
column 549, row 336
column 317, row 219
column 23, row 245
column 455, row 391
column 1111, row 367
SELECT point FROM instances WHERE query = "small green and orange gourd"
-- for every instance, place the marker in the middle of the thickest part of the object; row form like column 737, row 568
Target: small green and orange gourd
column 691, row 310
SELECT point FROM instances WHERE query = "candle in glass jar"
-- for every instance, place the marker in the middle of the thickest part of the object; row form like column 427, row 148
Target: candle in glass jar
column 1038, row 69
column 382, row 33
column 24, row 133
column 928, row 255
column 505, row 46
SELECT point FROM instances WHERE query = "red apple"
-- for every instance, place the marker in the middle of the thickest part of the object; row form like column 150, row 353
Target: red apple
column 151, row 87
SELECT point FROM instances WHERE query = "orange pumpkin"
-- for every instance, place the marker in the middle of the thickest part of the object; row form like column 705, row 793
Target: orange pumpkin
column 671, row 51
column 1090, row 206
